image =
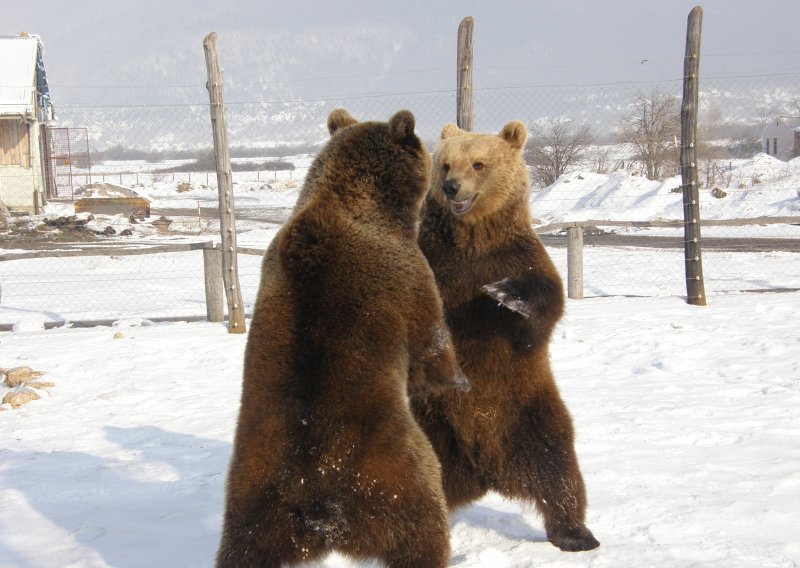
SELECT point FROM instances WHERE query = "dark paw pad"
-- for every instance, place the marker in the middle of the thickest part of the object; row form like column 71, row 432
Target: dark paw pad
column 573, row 539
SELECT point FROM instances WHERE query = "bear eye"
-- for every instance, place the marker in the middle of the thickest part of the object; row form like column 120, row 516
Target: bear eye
column 446, row 167
column 477, row 166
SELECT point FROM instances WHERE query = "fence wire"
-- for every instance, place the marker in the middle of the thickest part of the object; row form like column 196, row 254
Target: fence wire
column 597, row 154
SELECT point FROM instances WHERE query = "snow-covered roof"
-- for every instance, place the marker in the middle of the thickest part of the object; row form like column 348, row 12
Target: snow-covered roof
column 22, row 75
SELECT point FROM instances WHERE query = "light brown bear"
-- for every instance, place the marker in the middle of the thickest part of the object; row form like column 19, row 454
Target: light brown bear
column 502, row 294
column 348, row 320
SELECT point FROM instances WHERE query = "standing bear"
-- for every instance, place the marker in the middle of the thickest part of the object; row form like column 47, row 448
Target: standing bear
column 348, row 321
column 511, row 432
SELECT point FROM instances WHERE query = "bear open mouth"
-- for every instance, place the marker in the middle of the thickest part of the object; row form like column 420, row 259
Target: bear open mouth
column 461, row 207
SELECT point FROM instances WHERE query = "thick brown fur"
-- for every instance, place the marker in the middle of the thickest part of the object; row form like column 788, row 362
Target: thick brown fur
column 503, row 296
column 348, row 320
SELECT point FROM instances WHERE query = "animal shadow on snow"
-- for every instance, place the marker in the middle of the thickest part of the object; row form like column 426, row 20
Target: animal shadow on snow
column 156, row 502
column 513, row 526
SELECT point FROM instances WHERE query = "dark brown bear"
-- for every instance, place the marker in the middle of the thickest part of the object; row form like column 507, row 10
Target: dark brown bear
column 348, row 320
column 511, row 433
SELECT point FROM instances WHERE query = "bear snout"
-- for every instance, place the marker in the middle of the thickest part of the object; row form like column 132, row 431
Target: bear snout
column 450, row 188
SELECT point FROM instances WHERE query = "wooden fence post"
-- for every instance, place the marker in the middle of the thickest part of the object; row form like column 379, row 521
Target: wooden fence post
column 575, row 263
column 464, row 109
column 212, row 270
column 695, row 287
column 227, row 215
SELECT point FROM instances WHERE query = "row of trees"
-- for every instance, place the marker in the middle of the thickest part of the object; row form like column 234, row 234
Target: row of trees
column 651, row 129
column 649, row 132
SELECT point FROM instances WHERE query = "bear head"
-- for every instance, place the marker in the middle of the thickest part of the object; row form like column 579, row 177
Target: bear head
column 373, row 164
column 475, row 175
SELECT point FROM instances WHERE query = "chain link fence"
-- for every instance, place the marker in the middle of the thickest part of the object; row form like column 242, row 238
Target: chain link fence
column 602, row 156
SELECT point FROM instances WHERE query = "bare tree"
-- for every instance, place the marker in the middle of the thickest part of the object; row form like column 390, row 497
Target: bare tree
column 653, row 128
column 745, row 140
column 710, row 152
column 766, row 112
column 600, row 159
column 555, row 147
column 793, row 106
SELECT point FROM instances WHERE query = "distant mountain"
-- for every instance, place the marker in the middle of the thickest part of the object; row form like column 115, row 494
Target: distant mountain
column 738, row 113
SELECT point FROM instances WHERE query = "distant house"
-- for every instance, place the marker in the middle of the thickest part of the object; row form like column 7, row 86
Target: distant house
column 25, row 110
column 781, row 137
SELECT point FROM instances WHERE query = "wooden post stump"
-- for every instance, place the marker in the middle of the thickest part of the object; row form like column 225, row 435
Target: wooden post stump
column 575, row 263
column 212, row 270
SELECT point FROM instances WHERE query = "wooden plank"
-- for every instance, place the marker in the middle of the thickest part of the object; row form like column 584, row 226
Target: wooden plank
column 137, row 206
column 108, row 322
column 251, row 251
column 230, row 269
column 464, row 108
column 693, row 262
column 10, row 143
column 24, row 148
column 670, row 223
column 104, row 251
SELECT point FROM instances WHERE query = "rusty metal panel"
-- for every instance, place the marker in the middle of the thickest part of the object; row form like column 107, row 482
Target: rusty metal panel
column 67, row 161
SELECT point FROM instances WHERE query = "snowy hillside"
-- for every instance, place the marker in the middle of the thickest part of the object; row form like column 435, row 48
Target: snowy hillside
column 762, row 186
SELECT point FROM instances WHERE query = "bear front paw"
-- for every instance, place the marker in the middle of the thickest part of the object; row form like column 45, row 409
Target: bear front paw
column 507, row 294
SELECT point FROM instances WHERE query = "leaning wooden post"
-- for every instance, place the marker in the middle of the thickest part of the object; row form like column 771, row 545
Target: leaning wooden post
column 695, row 287
column 575, row 263
column 464, row 112
column 212, row 272
column 230, row 270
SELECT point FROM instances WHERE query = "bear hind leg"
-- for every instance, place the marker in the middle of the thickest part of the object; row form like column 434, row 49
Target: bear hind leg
column 416, row 535
column 267, row 536
column 397, row 513
column 544, row 469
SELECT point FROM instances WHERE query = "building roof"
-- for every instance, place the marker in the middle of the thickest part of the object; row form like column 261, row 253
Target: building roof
column 22, row 76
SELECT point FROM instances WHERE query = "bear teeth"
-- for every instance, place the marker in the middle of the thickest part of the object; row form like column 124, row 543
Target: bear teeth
column 460, row 207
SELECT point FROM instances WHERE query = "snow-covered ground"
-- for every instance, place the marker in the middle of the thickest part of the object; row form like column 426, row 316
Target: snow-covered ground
column 687, row 424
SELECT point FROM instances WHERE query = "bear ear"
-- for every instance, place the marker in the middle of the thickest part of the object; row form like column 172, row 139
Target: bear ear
column 339, row 118
column 450, row 130
column 515, row 133
column 401, row 126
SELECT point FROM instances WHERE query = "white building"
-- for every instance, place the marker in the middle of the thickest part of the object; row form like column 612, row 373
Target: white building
column 25, row 109
column 781, row 137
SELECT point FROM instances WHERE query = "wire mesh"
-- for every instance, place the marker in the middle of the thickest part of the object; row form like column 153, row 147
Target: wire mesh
column 749, row 201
